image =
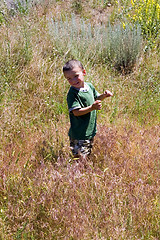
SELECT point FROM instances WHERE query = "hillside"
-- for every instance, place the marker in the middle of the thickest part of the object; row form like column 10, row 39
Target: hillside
column 44, row 192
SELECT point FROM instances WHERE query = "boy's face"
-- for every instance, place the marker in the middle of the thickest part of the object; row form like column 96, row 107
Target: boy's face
column 75, row 77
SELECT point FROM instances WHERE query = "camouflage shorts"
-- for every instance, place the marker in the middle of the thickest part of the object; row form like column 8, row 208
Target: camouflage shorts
column 81, row 147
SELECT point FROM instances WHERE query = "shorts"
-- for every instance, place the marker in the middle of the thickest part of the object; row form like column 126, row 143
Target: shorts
column 81, row 147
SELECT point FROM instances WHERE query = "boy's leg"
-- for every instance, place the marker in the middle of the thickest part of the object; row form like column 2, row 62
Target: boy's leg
column 81, row 147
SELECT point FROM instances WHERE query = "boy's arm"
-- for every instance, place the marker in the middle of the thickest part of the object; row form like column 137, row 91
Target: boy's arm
column 104, row 95
column 82, row 111
column 95, row 106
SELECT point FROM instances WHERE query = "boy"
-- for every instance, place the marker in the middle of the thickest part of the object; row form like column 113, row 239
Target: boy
column 83, row 101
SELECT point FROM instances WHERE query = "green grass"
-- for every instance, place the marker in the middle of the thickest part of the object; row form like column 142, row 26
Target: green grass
column 44, row 194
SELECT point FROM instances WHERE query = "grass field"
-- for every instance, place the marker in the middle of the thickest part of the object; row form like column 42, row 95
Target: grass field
column 44, row 193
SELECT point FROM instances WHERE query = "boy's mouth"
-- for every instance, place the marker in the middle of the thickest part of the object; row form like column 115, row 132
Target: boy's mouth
column 76, row 83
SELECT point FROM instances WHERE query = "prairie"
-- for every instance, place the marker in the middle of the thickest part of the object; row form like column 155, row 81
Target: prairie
column 44, row 193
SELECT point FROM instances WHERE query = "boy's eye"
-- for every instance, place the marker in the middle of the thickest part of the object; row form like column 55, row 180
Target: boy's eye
column 70, row 79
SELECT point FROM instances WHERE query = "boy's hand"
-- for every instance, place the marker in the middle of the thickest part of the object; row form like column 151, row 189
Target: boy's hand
column 104, row 95
column 97, row 105
column 107, row 93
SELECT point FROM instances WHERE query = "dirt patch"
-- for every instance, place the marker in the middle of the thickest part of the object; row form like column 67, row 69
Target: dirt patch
column 101, row 15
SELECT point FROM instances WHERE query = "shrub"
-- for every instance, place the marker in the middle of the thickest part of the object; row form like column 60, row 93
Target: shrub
column 147, row 14
column 79, row 39
column 125, row 46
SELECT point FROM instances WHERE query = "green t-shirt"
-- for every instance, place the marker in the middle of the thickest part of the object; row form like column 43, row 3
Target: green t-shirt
column 82, row 127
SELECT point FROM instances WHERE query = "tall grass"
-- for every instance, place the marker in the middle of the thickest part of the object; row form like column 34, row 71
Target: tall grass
column 44, row 193
column 113, row 195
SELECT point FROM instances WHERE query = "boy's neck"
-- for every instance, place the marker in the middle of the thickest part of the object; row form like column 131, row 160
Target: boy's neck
column 83, row 89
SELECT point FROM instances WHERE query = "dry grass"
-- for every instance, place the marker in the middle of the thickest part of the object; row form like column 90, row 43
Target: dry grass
column 113, row 195
column 44, row 194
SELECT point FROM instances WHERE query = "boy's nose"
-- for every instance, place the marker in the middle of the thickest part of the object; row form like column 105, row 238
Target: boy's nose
column 74, row 79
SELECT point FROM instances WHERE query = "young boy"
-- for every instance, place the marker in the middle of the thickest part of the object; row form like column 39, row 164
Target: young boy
column 83, row 101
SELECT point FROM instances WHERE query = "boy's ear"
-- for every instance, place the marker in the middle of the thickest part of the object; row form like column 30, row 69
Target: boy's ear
column 84, row 72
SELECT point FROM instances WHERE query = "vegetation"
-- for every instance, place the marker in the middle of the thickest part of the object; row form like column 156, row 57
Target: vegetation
column 44, row 193
column 118, row 46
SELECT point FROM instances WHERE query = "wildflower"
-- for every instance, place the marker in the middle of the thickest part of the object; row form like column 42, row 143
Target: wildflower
column 147, row 13
column 132, row 2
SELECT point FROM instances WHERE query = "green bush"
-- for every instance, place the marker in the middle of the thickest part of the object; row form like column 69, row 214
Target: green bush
column 117, row 45
column 125, row 46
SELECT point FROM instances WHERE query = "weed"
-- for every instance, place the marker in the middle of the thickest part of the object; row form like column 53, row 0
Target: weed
column 147, row 15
